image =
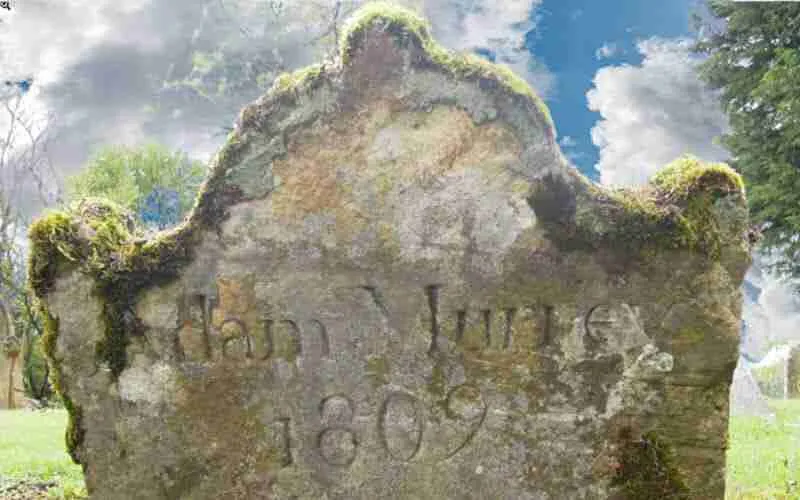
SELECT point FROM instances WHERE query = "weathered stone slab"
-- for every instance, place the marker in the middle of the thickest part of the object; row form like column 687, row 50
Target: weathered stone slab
column 394, row 286
column 12, row 387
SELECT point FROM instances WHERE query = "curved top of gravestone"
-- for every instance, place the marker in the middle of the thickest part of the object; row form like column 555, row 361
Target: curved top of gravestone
column 389, row 60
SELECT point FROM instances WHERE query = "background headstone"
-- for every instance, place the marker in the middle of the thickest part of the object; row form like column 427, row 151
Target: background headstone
column 746, row 396
column 394, row 286
column 776, row 373
column 11, row 360
column 793, row 372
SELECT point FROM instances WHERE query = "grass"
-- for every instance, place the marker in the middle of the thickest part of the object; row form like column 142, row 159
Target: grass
column 763, row 459
column 32, row 448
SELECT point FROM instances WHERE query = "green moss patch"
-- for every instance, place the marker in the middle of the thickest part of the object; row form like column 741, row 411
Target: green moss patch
column 408, row 28
column 646, row 469
column 678, row 210
column 292, row 81
column 74, row 433
column 688, row 175
column 99, row 239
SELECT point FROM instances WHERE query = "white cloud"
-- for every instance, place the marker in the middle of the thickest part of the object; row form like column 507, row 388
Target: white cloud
column 567, row 142
column 98, row 64
column 499, row 26
column 43, row 37
column 653, row 113
column 607, row 50
column 773, row 316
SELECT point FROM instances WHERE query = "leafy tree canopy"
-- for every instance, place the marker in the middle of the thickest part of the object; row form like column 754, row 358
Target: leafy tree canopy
column 754, row 61
column 155, row 183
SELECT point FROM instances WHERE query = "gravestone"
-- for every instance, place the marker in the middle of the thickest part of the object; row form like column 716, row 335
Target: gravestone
column 793, row 372
column 394, row 286
column 776, row 373
column 746, row 396
column 11, row 382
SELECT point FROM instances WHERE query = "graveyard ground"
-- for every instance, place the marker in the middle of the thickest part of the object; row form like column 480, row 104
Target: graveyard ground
column 763, row 460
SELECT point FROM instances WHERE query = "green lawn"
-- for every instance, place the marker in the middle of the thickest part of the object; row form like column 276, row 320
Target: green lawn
column 32, row 447
column 763, row 460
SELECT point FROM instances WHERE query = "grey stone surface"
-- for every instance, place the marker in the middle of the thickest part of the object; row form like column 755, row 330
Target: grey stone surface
column 394, row 286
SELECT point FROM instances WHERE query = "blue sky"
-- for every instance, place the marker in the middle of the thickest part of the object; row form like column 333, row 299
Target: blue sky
column 566, row 39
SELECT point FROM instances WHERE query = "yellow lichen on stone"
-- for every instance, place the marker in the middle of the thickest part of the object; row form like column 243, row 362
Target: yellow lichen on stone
column 383, row 152
column 236, row 314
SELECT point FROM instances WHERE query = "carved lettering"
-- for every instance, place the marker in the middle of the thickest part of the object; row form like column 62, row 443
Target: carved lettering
column 337, row 443
column 269, row 345
column 282, row 338
column 433, row 304
column 401, row 426
column 281, row 441
column 547, row 334
column 236, row 341
column 487, row 326
column 600, row 322
column 377, row 298
column 336, row 408
column 197, row 340
column 461, row 325
column 294, row 340
column 466, row 405
column 338, row 446
column 192, row 337
column 509, row 325
column 324, row 340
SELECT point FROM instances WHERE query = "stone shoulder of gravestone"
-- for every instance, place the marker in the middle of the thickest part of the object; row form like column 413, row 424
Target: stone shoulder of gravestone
column 393, row 285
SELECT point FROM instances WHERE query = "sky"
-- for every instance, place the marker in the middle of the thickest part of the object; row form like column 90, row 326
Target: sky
column 615, row 78
column 618, row 76
column 616, row 70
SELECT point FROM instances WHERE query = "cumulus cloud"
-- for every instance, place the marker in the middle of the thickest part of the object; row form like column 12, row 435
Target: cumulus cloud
column 100, row 65
column 653, row 113
column 488, row 24
column 606, row 51
column 771, row 309
column 568, row 148
column 567, row 142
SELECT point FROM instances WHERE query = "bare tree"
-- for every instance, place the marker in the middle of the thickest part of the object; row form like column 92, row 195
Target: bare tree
column 25, row 166
column 26, row 173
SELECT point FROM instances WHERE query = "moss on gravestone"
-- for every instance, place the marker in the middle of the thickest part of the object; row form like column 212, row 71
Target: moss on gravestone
column 678, row 210
column 408, row 28
column 646, row 469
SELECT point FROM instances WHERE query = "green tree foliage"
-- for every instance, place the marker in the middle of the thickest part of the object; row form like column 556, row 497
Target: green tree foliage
column 754, row 61
column 127, row 176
